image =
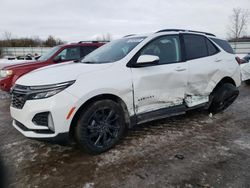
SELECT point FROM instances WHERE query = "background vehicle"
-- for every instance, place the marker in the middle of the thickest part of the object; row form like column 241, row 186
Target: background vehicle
column 245, row 69
column 58, row 54
column 13, row 60
column 247, row 58
column 126, row 82
column 6, row 62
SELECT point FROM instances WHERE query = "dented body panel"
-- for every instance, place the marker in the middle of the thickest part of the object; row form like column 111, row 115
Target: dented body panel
column 205, row 73
column 159, row 86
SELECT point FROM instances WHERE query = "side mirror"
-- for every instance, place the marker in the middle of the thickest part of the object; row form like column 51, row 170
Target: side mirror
column 57, row 59
column 147, row 59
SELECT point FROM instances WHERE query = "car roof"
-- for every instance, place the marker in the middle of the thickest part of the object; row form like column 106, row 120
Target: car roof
column 85, row 43
column 172, row 31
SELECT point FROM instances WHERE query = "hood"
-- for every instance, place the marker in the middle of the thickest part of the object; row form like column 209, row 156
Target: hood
column 59, row 73
column 5, row 63
column 13, row 64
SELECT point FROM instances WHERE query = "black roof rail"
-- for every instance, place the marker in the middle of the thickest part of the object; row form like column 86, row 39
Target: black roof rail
column 93, row 41
column 184, row 30
column 128, row 35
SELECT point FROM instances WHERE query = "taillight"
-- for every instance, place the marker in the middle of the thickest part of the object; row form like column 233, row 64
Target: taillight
column 238, row 60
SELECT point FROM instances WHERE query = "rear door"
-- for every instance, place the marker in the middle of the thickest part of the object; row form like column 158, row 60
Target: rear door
column 160, row 85
column 204, row 64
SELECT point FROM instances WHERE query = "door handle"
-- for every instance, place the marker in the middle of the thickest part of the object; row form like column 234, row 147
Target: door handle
column 179, row 69
column 218, row 60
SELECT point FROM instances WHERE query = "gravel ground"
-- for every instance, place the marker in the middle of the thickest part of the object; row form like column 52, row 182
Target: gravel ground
column 193, row 150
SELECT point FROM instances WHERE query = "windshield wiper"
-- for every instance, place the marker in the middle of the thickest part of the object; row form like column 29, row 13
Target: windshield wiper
column 77, row 61
column 88, row 62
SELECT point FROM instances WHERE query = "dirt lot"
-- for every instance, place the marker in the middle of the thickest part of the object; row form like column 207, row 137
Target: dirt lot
column 194, row 150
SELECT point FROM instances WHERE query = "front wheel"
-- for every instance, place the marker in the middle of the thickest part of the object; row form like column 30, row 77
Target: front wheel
column 223, row 97
column 100, row 126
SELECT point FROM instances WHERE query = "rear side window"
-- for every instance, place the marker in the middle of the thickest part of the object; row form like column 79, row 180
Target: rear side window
column 85, row 50
column 224, row 45
column 195, row 46
column 211, row 48
column 71, row 53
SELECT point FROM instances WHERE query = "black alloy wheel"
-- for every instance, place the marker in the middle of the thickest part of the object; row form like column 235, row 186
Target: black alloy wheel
column 100, row 127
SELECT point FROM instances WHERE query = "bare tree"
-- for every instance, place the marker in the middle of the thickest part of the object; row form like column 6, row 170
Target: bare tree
column 238, row 23
column 7, row 36
column 1, row 53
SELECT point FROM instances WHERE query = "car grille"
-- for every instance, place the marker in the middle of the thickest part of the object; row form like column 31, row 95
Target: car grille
column 18, row 101
column 19, row 96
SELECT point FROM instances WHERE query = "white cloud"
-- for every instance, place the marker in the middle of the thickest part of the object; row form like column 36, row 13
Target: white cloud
column 81, row 19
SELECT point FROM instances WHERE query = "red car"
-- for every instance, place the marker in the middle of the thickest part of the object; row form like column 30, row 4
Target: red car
column 58, row 54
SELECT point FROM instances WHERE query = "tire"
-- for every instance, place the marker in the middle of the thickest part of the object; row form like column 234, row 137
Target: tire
column 100, row 126
column 247, row 82
column 223, row 97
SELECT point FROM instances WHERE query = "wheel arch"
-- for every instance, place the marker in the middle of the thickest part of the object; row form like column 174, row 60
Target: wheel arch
column 98, row 98
column 224, row 80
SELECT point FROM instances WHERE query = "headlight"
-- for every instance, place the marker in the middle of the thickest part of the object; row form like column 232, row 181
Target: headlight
column 46, row 91
column 5, row 73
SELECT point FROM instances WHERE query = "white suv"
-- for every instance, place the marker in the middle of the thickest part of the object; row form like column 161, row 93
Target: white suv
column 129, row 81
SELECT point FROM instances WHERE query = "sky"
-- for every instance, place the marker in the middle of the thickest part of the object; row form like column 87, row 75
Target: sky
column 75, row 20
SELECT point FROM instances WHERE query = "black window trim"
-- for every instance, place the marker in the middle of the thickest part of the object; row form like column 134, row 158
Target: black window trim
column 132, row 61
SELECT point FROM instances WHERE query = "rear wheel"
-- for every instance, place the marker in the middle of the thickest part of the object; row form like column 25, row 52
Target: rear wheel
column 100, row 126
column 223, row 97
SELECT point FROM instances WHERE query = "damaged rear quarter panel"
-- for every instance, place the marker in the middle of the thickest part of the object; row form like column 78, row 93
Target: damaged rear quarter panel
column 206, row 73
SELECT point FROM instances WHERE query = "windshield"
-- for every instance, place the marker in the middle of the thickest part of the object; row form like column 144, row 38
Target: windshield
column 113, row 51
column 50, row 53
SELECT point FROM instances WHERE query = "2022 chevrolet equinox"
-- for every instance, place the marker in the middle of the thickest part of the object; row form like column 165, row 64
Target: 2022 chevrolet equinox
column 128, row 81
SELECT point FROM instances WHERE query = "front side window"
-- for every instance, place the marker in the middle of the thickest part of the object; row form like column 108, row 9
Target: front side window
column 113, row 51
column 195, row 46
column 167, row 48
column 72, row 53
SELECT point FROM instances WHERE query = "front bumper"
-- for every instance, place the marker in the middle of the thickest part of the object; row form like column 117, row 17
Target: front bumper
column 58, row 106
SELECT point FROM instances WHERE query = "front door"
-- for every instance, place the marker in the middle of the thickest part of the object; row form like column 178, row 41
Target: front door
column 163, row 84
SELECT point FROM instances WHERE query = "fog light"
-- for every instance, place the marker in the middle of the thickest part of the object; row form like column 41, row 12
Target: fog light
column 50, row 122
